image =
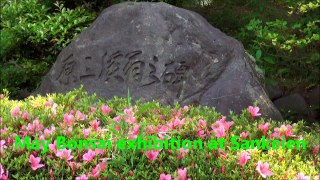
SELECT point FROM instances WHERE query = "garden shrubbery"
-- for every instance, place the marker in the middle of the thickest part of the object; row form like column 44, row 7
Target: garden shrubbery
column 78, row 115
column 33, row 32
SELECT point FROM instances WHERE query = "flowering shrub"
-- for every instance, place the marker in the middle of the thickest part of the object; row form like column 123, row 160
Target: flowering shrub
column 77, row 116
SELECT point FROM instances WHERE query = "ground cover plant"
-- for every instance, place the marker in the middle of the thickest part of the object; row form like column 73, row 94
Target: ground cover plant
column 78, row 115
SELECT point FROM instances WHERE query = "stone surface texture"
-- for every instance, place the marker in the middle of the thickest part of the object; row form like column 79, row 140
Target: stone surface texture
column 160, row 52
column 274, row 91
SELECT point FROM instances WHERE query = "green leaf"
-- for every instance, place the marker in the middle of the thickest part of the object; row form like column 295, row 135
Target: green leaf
column 129, row 98
column 258, row 54
column 269, row 60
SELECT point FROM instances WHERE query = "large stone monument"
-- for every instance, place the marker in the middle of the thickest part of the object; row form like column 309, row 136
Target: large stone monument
column 160, row 52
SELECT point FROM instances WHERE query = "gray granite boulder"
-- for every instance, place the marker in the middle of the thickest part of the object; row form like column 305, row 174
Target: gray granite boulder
column 160, row 52
column 293, row 103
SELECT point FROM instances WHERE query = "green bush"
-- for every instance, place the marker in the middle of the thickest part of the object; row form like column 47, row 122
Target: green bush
column 78, row 115
column 33, row 32
column 287, row 48
column 282, row 35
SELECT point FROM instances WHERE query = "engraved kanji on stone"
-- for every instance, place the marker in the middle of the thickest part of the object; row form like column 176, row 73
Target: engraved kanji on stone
column 180, row 71
column 67, row 69
column 113, row 67
column 174, row 72
column 152, row 77
column 133, row 70
column 89, row 72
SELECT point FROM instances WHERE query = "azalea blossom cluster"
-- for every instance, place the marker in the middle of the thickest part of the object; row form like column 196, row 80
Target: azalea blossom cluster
column 101, row 120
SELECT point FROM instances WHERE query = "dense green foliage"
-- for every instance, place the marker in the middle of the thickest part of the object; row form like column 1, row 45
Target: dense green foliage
column 287, row 48
column 283, row 35
column 79, row 116
column 32, row 34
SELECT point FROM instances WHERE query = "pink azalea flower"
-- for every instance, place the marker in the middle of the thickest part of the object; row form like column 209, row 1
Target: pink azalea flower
column 35, row 126
column 106, row 109
column 284, row 130
column 35, row 162
column 101, row 166
column 117, row 119
column 89, row 155
column 15, row 112
column 183, row 152
column 263, row 169
column 117, row 127
column 4, row 130
column 80, row 116
column 152, row 154
column 202, row 123
column 38, row 126
column 49, row 131
column 222, row 122
column 223, row 169
column 30, row 127
column 3, row 175
column 86, row 132
column 25, row 116
column 161, row 117
column 163, row 135
column 96, row 171
column 67, row 118
column 170, row 125
column 99, row 151
column 182, row 174
column 178, row 123
column 244, row 135
column 49, row 103
column 214, row 171
column 130, row 119
column 162, row 129
column 264, row 127
column 42, row 138
column 93, row 109
column 53, row 146
column 2, row 145
column 164, row 176
column 82, row 177
column 222, row 154
column 201, row 133
column 186, row 108
column 134, row 132
column 54, row 109
column 179, row 113
column 300, row 137
column 301, row 176
column 94, row 124
column 64, row 154
column 51, row 174
column 151, row 129
column 74, row 165
column 254, row 111
column 243, row 158
column 219, row 131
